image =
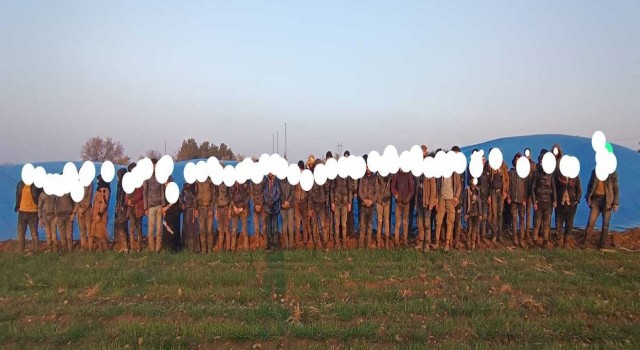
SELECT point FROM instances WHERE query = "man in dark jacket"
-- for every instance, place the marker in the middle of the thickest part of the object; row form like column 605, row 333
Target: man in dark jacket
column 206, row 198
column 239, row 213
column 316, row 203
column 402, row 188
column 258, row 215
column 517, row 199
column 153, row 201
column 499, row 189
column 27, row 208
column 272, row 209
column 383, row 205
column 135, row 203
column 602, row 197
column 287, row 213
column 569, row 192
column 301, row 216
column 449, row 190
column 341, row 200
column 368, row 193
column 543, row 196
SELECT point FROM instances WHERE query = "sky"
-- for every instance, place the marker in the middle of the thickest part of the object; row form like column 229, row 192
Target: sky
column 364, row 74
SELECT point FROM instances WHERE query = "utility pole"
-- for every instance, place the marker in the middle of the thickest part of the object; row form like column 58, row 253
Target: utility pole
column 285, row 140
column 165, row 147
column 339, row 148
column 273, row 143
column 277, row 142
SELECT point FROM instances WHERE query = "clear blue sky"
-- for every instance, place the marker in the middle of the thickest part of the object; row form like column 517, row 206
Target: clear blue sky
column 366, row 73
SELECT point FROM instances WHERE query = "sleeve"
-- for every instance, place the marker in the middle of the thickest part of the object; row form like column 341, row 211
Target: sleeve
column 533, row 189
column 505, row 178
column 590, row 185
column 578, row 189
column 616, row 189
column 17, row 198
column 394, row 189
column 40, row 205
column 555, row 194
column 144, row 195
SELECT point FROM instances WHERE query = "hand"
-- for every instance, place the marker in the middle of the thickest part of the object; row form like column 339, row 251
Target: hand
column 97, row 218
column 146, row 212
column 504, row 196
column 555, row 204
column 333, row 207
column 466, row 217
column 535, row 207
column 310, row 213
column 71, row 218
column 509, row 201
column 349, row 208
column 615, row 207
column 286, row 204
column 455, row 199
column 480, row 217
column 164, row 210
column 40, row 223
column 489, row 200
column 210, row 213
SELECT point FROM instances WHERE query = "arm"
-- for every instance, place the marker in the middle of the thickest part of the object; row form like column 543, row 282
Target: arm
column 40, row 205
column 578, row 189
column 616, row 189
column 144, row 196
column 589, row 187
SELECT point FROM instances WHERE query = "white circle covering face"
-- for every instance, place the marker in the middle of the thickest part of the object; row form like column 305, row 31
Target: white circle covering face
column 172, row 192
column 201, row 171
column 383, row 169
column 306, row 180
column 565, row 165
column 496, row 159
column 475, row 165
column 137, row 179
column 108, row 171
column 213, row 161
column 320, row 175
column 574, row 167
column 70, row 172
column 243, row 172
column 164, row 168
column 331, row 166
column 257, row 174
column 190, row 173
column 373, row 161
column 427, row 167
column 439, row 164
column 293, row 174
column 598, row 141
column 127, row 183
column 27, row 174
column 87, row 173
column 548, row 163
column 359, row 168
column 601, row 172
column 264, row 164
column 146, row 168
column 460, row 164
column 77, row 192
column 523, row 167
column 405, row 161
column 448, row 164
column 475, row 181
column 344, row 167
column 274, row 163
column 229, row 175
column 527, row 153
column 39, row 175
column 282, row 169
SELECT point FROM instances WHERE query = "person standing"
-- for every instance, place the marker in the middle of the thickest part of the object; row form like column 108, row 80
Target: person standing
column 223, row 203
column 205, row 198
column 472, row 200
column 341, row 200
column 239, row 213
column 457, row 222
column 100, row 214
column 484, row 186
column 190, row 238
column 259, row 216
column 499, row 189
column 383, row 205
column 426, row 200
column 402, row 188
column 272, row 210
column 64, row 213
column 27, row 208
column 301, row 216
column 603, row 197
column 171, row 235
column 122, row 216
column 543, row 195
column 135, row 206
column 368, row 193
column 153, row 200
column 517, row 199
column 47, row 220
column 568, row 193
column 448, row 190
column 82, row 211
column 287, row 213
column 316, row 202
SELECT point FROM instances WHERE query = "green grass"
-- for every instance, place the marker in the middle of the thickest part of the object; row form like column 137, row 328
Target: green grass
column 355, row 299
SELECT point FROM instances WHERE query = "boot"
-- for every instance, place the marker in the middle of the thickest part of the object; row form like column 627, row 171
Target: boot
column 387, row 243
column 152, row 243
column 246, row 241
column 210, row 242
column 368, row 240
column 447, row 246
column 232, row 242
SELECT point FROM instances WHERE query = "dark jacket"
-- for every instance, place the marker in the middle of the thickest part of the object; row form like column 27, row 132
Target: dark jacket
column 368, row 188
column 286, row 193
column 152, row 193
column 500, row 178
column 456, row 183
column 543, row 188
column 240, row 195
column 223, row 198
column 517, row 187
column 257, row 193
column 64, row 205
column 341, row 191
column 384, row 189
column 205, row 193
column 316, row 195
column 46, row 206
column 271, row 196
column 429, row 193
column 402, row 187
column 612, row 190
column 35, row 194
column 573, row 188
column 471, row 201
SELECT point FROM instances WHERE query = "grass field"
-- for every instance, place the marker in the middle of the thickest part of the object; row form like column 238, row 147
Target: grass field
column 358, row 299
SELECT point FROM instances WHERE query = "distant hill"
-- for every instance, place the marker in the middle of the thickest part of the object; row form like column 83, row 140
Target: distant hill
column 628, row 168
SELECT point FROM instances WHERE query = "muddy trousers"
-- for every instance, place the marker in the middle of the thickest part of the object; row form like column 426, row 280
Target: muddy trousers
column 517, row 216
column 483, row 219
column 135, row 232
column 497, row 208
column 301, row 220
column 154, row 233
column 457, row 224
column 445, row 207
column 423, row 218
column 99, row 233
column 259, row 223
column 224, row 234
column 237, row 221
column 205, row 228
column 382, row 210
column 543, row 222
column 31, row 220
column 340, row 220
column 84, row 225
column 49, row 224
column 121, row 236
column 599, row 206
column 565, row 214
column 319, row 225
column 402, row 219
column 66, row 237
column 288, row 238
column 472, row 231
column 271, row 224
column 366, row 224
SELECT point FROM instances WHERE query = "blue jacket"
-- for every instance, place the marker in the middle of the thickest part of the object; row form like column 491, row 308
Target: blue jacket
column 271, row 195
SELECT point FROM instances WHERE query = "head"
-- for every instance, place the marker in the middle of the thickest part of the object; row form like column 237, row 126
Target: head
column 121, row 173
column 365, row 157
column 557, row 151
column 527, row 153
column 542, row 153
column 311, row 162
column 329, row 155
column 455, row 149
column 515, row 159
column 301, row 165
column 131, row 166
column 347, row 153
column 425, row 151
column 270, row 176
column 154, row 161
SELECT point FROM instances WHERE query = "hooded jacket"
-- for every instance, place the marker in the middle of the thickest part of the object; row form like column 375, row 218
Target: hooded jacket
column 240, row 195
column 368, row 189
column 341, row 191
column 517, row 187
column 205, row 193
column 271, row 196
column 402, row 187
column 612, row 190
column 222, row 199
column 384, row 189
column 572, row 187
column 543, row 187
column 286, row 193
column 257, row 192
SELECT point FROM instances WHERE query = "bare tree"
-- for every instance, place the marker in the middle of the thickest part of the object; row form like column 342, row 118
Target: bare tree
column 98, row 149
column 153, row 154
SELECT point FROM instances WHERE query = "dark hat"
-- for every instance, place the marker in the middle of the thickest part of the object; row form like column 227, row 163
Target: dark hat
column 347, row 153
column 515, row 158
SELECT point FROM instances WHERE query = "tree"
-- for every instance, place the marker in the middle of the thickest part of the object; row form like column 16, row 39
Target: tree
column 98, row 149
column 191, row 150
column 153, row 154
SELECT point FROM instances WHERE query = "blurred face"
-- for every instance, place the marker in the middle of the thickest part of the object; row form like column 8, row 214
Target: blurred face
column 425, row 152
column 368, row 171
column 270, row 176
